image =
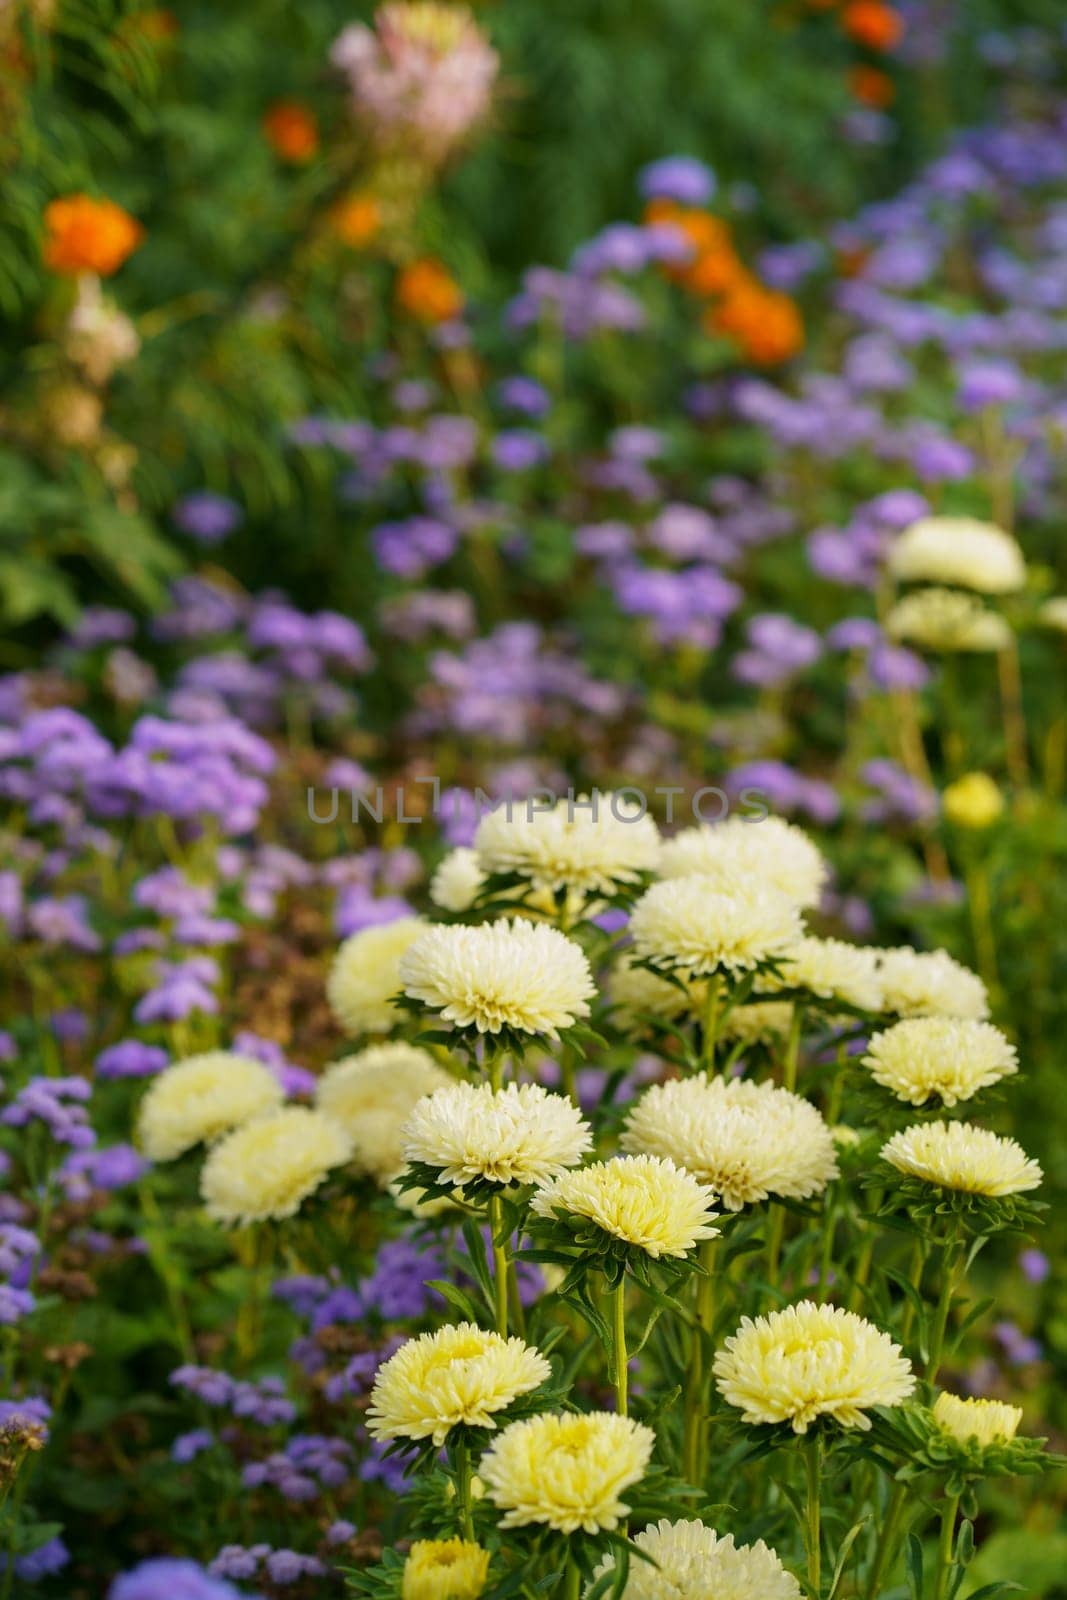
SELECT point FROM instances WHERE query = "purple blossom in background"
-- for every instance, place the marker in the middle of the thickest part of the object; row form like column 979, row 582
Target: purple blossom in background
column 410, row 548
column 524, row 395
column 167, row 1578
column 207, row 517
column 680, row 178
column 57, row 1103
column 990, row 383
column 14, row 1304
column 1035, row 1265
column 519, row 450
column 187, row 1446
column 48, row 1559
column 130, row 1058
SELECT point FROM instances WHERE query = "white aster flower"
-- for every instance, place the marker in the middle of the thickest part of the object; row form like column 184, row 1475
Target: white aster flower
column 951, row 1057
column 266, row 1169
column 643, row 1200
column 372, row 1095
column 366, row 976
column 957, row 1155
column 197, row 1100
column 811, row 1361
column 521, row 1134
column 929, row 983
column 960, row 552
column 458, row 881
column 760, row 1022
column 685, row 923
column 690, row 1561
column 832, row 970
column 772, row 851
column 592, row 845
column 948, row 620
column 635, row 992
column 982, row 1422
column 523, row 976
column 746, row 1141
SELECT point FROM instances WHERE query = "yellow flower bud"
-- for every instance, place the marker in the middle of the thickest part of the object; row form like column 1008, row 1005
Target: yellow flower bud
column 973, row 801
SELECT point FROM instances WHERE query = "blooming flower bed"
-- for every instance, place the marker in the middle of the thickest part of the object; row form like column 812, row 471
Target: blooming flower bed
column 535, row 967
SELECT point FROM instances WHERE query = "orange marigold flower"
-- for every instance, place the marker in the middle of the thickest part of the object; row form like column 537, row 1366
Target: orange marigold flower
column 715, row 271
column 703, row 232
column 426, row 290
column 767, row 326
column 87, row 235
column 357, row 219
column 873, row 24
column 291, row 131
column 871, row 87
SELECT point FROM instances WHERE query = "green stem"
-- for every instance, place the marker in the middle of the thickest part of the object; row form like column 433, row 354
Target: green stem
column 694, row 1433
column 775, row 1236
column 500, row 1266
column 944, row 1547
column 885, row 1549
column 792, row 1049
column 572, row 1582
column 710, row 1026
column 949, row 1282
column 622, row 1374
column 463, row 1490
column 813, row 1531
column 866, row 1255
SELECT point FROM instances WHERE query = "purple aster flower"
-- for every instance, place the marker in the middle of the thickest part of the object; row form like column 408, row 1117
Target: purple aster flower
column 207, row 517
column 340, row 1532
column 894, row 667
column 1035, row 1265
column 518, row 450
column 47, row 1559
column 14, row 1304
column 187, row 1446
column 524, row 395
column 680, row 178
column 990, row 383
column 99, row 625
column 171, row 1579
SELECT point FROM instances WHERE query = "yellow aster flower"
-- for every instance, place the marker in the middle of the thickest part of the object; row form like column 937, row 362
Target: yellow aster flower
column 959, row 551
column 643, row 1200
column 811, row 1361
column 635, row 992
column 568, row 1472
column 366, row 975
column 683, row 923
column 520, row 1134
column 267, row 1168
column 957, row 1155
column 689, row 1561
column 984, row 1422
column 199, row 1099
column 372, row 1094
column 457, row 1375
column 951, row 1057
column 973, row 801
column 948, row 620
column 760, row 1022
column 592, row 845
column 745, row 1141
column 525, row 976
column 929, row 983
column 776, row 853
column 444, row 1569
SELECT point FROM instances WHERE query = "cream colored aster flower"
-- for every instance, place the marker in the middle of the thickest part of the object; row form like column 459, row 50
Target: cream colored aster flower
column 267, row 1169
column 984, row 1422
column 685, row 923
column 947, row 619
column 524, row 976
column 444, row 1569
column 635, row 992
column 952, row 1057
column 643, row 1200
column 366, row 975
column 761, row 1022
column 775, row 852
column 689, row 1561
column 930, row 983
column 372, row 1094
column 457, row 1375
column 958, row 551
column 521, row 1134
column 831, row 969
column 198, row 1100
column 1053, row 614
column 746, row 1141
column 811, row 1361
column 570, row 846
column 568, row 1472
column 458, row 881
column 957, row 1155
